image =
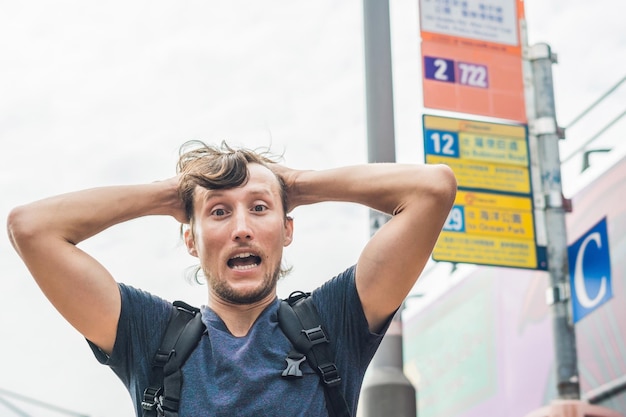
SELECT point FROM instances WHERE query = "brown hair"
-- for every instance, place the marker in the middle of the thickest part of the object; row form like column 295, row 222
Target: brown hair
column 217, row 168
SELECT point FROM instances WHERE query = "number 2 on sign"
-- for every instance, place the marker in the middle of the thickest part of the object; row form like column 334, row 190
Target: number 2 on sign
column 441, row 71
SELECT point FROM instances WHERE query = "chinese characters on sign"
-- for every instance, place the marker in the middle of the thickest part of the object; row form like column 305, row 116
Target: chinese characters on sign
column 472, row 63
column 471, row 57
column 493, row 21
column 492, row 219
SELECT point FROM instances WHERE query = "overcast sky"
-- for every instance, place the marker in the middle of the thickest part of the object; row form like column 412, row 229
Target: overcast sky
column 100, row 93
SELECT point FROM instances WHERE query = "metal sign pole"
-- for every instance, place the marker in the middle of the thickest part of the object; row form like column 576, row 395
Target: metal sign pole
column 545, row 128
column 386, row 390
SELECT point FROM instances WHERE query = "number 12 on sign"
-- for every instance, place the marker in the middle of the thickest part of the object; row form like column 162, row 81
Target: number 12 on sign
column 464, row 73
column 443, row 143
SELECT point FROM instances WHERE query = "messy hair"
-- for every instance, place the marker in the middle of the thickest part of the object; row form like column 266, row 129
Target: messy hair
column 218, row 168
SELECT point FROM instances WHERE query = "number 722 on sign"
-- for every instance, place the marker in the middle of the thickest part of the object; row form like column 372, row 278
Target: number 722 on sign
column 450, row 71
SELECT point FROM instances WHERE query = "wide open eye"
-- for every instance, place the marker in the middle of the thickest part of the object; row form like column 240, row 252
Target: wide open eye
column 218, row 212
column 259, row 208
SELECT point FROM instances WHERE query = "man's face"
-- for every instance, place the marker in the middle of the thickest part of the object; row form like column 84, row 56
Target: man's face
column 238, row 235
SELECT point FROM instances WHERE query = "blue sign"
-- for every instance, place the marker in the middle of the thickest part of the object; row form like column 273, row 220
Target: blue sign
column 439, row 69
column 442, row 142
column 456, row 220
column 590, row 271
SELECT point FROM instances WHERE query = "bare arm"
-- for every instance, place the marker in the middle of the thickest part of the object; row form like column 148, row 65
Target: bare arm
column 419, row 198
column 45, row 234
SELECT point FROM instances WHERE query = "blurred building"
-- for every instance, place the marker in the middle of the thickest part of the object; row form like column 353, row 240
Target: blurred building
column 484, row 347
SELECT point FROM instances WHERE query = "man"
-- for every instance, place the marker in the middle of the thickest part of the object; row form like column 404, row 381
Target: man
column 236, row 205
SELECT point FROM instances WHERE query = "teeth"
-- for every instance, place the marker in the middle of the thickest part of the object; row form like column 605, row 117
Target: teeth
column 248, row 256
column 243, row 255
column 244, row 267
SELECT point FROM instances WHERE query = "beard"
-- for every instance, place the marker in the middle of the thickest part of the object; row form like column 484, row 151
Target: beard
column 229, row 294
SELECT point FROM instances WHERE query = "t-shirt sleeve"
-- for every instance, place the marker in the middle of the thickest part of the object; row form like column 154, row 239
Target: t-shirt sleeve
column 342, row 315
column 143, row 320
column 340, row 308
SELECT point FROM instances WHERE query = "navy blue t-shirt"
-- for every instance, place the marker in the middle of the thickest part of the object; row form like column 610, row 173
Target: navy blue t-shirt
column 241, row 376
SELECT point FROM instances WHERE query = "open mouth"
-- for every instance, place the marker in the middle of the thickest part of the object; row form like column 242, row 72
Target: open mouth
column 244, row 261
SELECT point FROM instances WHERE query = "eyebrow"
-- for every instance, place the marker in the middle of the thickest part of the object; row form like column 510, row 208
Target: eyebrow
column 260, row 192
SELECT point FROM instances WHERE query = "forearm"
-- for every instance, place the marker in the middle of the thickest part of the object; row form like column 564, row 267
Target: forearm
column 45, row 233
column 384, row 187
column 77, row 216
column 418, row 196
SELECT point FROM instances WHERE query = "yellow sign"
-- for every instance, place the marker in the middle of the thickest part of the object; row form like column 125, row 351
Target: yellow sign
column 491, row 229
column 485, row 176
column 486, row 156
column 494, row 149
column 472, row 126
column 495, row 215
column 454, row 247
column 492, row 220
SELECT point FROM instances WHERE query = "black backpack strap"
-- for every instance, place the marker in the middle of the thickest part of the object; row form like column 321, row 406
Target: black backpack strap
column 300, row 321
column 181, row 337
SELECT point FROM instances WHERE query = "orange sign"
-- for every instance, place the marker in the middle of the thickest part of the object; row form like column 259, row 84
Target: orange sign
column 473, row 80
column 480, row 73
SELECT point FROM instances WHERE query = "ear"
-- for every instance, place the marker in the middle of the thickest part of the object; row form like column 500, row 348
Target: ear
column 190, row 242
column 288, row 231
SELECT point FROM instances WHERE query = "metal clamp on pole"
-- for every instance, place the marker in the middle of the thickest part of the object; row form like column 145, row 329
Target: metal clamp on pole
column 554, row 199
column 543, row 126
column 546, row 126
column 557, row 294
column 542, row 51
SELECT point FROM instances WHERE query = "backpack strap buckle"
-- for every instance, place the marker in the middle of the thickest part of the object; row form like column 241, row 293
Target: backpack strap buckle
column 330, row 374
column 151, row 398
column 316, row 335
column 161, row 357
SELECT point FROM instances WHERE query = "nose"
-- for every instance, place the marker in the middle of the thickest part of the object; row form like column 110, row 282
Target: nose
column 241, row 227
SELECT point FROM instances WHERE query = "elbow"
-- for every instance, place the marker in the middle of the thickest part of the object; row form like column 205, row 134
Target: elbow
column 444, row 185
column 19, row 229
column 430, row 187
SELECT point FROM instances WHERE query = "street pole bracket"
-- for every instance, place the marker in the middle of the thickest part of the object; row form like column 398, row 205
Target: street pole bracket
column 557, row 294
column 554, row 199
column 542, row 51
column 543, row 126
